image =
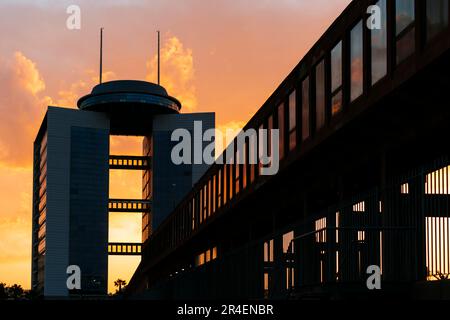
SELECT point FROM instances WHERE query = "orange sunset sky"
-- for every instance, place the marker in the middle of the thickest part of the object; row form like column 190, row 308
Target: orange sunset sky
column 225, row 56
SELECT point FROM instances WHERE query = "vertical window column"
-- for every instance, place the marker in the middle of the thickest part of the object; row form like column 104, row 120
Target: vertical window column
column 268, row 260
column 281, row 129
column 305, row 109
column 292, row 120
column 437, row 17
column 237, row 167
column 252, row 157
column 201, row 206
column 379, row 46
column 336, row 79
column 404, row 29
column 261, row 147
column 245, row 165
column 225, row 184
column 219, row 189
column 320, row 95
column 212, row 198
column 356, row 62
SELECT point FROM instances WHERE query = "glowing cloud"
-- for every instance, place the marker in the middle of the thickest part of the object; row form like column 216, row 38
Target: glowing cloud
column 177, row 72
column 125, row 145
column 15, row 226
column 21, row 109
column 229, row 130
column 69, row 97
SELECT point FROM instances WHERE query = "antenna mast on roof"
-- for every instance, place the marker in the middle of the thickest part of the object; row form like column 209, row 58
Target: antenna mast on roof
column 101, row 55
column 159, row 58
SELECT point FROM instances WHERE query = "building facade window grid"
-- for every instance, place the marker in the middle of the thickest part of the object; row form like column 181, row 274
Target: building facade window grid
column 307, row 94
column 404, row 12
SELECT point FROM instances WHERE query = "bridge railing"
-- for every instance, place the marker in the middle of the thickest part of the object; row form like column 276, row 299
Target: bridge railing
column 313, row 261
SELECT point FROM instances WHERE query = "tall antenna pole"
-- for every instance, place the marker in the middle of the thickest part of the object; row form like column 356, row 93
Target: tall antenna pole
column 159, row 58
column 101, row 55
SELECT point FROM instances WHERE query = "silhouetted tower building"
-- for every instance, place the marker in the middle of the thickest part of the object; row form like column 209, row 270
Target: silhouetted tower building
column 71, row 179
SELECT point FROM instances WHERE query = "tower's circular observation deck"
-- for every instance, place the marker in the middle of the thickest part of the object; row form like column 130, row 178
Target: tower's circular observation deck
column 130, row 104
